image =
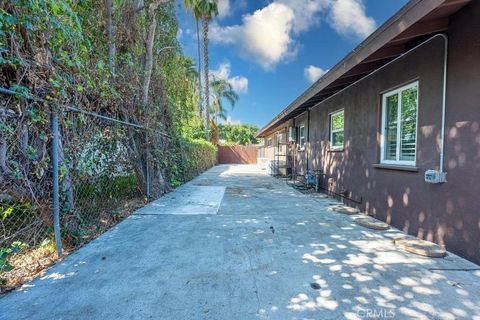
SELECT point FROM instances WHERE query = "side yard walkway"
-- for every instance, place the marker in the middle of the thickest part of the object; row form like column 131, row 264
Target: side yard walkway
column 237, row 244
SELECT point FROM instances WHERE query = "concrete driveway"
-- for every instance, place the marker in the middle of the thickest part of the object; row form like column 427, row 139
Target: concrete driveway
column 237, row 244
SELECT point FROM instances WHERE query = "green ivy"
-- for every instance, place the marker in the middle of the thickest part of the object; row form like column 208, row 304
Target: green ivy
column 6, row 252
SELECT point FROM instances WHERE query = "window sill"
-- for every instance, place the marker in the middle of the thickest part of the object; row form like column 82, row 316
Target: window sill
column 335, row 150
column 395, row 167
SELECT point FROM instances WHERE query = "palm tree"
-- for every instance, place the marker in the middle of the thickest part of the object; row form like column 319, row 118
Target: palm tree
column 200, row 111
column 222, row 90
column 190, row 70
column 204, row 10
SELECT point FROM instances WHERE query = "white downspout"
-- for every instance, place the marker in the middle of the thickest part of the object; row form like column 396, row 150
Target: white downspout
column 444, row 103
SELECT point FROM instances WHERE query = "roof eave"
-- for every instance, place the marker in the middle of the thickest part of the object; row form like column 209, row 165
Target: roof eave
column 408, row 15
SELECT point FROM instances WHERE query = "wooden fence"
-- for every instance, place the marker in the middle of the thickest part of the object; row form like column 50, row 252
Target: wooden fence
column 237, row 154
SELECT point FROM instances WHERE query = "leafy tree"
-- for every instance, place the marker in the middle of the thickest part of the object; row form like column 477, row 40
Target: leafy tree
column 243, row 134
column 102, row 56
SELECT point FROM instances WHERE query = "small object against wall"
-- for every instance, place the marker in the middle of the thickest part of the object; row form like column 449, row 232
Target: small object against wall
column 420, row 247
column 372, row 223
column 435, row 176
column 262, row 163
column 340, row 208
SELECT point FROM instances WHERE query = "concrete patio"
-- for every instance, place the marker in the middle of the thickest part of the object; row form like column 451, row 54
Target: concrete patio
column 237, row 244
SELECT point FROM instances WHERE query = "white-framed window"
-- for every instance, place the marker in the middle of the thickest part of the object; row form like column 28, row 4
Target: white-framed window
column 337, row 129
column 301, row 137
column 399, row 125
column 280, row 141
column 269, row 142
column 281, row 137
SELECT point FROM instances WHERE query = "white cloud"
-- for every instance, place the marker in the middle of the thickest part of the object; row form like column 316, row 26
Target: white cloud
column 239, row 83
column 230, row 120
column 305, row 12
column 313, row 73
column 348, row 18
column 264, row 36
column 224, row 9
column 222, row 72
column 267, row 36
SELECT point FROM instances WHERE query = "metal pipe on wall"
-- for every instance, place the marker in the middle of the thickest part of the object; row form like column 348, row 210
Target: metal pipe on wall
column 341, row 195
column 308, row 137
column 444, row 102
column 294, row 147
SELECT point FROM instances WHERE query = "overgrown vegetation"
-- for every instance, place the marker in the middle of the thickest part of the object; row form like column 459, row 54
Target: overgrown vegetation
column 117, row 58
column 197, row 156
column 243, row 134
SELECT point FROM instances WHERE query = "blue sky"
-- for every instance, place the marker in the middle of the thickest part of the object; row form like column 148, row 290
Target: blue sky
column 272, row 51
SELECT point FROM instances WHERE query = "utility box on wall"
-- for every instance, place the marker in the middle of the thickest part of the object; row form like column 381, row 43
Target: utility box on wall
column 435, row 176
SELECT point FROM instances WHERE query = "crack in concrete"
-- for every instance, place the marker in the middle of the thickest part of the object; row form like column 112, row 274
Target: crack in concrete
column 254, row 276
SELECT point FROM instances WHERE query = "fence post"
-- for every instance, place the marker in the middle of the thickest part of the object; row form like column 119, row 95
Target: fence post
column 147, row 180
column 56, row 193
column 147, row 171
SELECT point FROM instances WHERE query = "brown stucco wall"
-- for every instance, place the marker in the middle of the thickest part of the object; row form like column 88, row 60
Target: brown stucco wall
column 459, row 202
column 447, row 214
column 269, row 152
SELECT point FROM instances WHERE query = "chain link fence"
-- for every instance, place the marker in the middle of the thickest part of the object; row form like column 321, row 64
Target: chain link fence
column 23, row 179
column 99, row 185
column 99, row 166
column 25, row 191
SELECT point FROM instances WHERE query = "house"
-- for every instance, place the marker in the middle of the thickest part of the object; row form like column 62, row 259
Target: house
column 395, row 125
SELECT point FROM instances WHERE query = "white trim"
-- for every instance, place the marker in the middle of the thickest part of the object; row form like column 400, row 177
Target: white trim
column 300, row 136
column 269, row 142
column 278, row 137
column 386, row 95
column 331, row 131
column 280, row 141
column 444, row 101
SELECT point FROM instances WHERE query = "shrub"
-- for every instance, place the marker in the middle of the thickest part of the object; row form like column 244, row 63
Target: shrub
column 194, row 157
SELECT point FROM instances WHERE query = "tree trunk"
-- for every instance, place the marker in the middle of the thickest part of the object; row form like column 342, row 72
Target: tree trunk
column 154, row 176
column 205, row 66
column 200, row 100
column 111, row 36
column 145, row 166
column 134, row 143
column 149, row 41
